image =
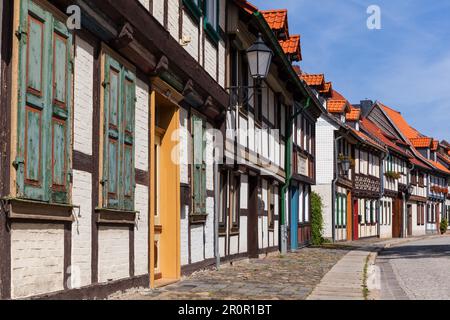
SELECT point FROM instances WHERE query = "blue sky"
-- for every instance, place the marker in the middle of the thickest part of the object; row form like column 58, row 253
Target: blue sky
column 405, row 65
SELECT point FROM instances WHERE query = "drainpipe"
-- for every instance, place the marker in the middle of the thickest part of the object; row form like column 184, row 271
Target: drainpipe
column 333, row 187
column 380, row 203
column 288, row 169
column 408, row 181
column 216, row 213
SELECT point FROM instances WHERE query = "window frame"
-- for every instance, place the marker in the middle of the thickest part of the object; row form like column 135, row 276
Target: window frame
column 211, row 28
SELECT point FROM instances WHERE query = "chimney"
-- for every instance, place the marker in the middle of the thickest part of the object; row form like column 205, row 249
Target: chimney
column 366, row 106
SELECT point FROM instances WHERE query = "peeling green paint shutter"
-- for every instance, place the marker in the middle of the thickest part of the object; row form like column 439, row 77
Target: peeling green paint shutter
column 128, row 132
column 118, row 163
column 199, row 165
column 44, row 106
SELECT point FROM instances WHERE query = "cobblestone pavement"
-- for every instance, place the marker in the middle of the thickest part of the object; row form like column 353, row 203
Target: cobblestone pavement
column 418, row 270
column 292, row 277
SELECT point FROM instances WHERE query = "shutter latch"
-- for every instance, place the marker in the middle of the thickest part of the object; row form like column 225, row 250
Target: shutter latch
column 18, row 162
column 105, row 83
column 103, row 181
column 20, row 32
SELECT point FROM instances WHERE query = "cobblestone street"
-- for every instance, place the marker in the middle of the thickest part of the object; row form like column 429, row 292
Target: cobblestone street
column 292, row 277
column 418, row 270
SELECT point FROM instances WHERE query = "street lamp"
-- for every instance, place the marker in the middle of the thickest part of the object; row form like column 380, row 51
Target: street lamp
column 259, row 58
column 345, row 165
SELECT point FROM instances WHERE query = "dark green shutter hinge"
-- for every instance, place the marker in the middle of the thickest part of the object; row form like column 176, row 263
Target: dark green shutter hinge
column 19, row 161
column 70, row 174
column 103, row 181
column 105, row 83
column 20, row 32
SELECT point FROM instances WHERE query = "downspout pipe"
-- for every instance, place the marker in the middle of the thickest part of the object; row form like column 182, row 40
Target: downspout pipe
column 333, row 187
column 383, row 180
column 405, row 209
column 288, row 169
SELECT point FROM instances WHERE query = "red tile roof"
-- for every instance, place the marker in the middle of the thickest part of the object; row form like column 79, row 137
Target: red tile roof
column 423, row 142
column 354, row 114
column 336, row 106
column 401, row 123
column 313, row 79
column 365, row 138
column 327, row 89
column 291, row 46
column 440, row 166
column 413, row 136
column 276, row 19
column 375, row 131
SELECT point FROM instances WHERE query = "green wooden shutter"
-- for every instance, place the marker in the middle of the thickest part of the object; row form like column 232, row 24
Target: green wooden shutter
column 118, row 161
column 44, row 133
column 199, row 165
column 111, row 156
column 61, row 111
column 128, row 178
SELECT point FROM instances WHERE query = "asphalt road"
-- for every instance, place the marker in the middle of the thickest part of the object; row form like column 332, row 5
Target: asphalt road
column 417, row 270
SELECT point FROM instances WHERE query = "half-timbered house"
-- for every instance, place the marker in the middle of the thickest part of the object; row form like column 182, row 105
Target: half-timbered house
column 92, row 193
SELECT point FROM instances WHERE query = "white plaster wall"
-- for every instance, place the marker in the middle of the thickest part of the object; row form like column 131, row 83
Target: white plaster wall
column 172, row 21
column 158, row 10
column 243, row 228
column 234, row 245
column 210, row 59
column 145, row 3
column 82, row 229
column 324, row 151
column 113, row 253
column 142, row 126
column 324, row 190
column 197, row 243
column 141, row 235
column 37, row 259
column 83, row 100
column 190, row 30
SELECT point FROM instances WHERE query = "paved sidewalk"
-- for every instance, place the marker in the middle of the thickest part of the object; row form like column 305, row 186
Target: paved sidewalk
column 290, row 277
column 346, row 281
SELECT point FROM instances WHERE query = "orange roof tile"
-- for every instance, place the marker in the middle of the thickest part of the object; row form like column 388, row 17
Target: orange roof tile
column 291, row 46
column 375, row 130
column 313, row 79
column 326, row 88
column 336, row 106
column 440, row 166
column 276, row 19
column 401, row 123
column 354, row 114
column 421, row 142
column 367, row 139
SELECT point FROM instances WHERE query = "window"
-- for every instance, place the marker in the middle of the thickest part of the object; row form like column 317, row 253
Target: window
column 199, row 166
column 118, row 156
column 420, row 214
column 235, row 202
column 211, row 12
column 212, row 19
column 223, row 201
column 44, row 109
column 193, row 8
column 341, row 211
column 272, row 190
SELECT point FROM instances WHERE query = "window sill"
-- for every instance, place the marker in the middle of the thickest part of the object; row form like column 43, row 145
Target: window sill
column 114, row 216
column 194, row 11
column 36, row 210
column 198, row 218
